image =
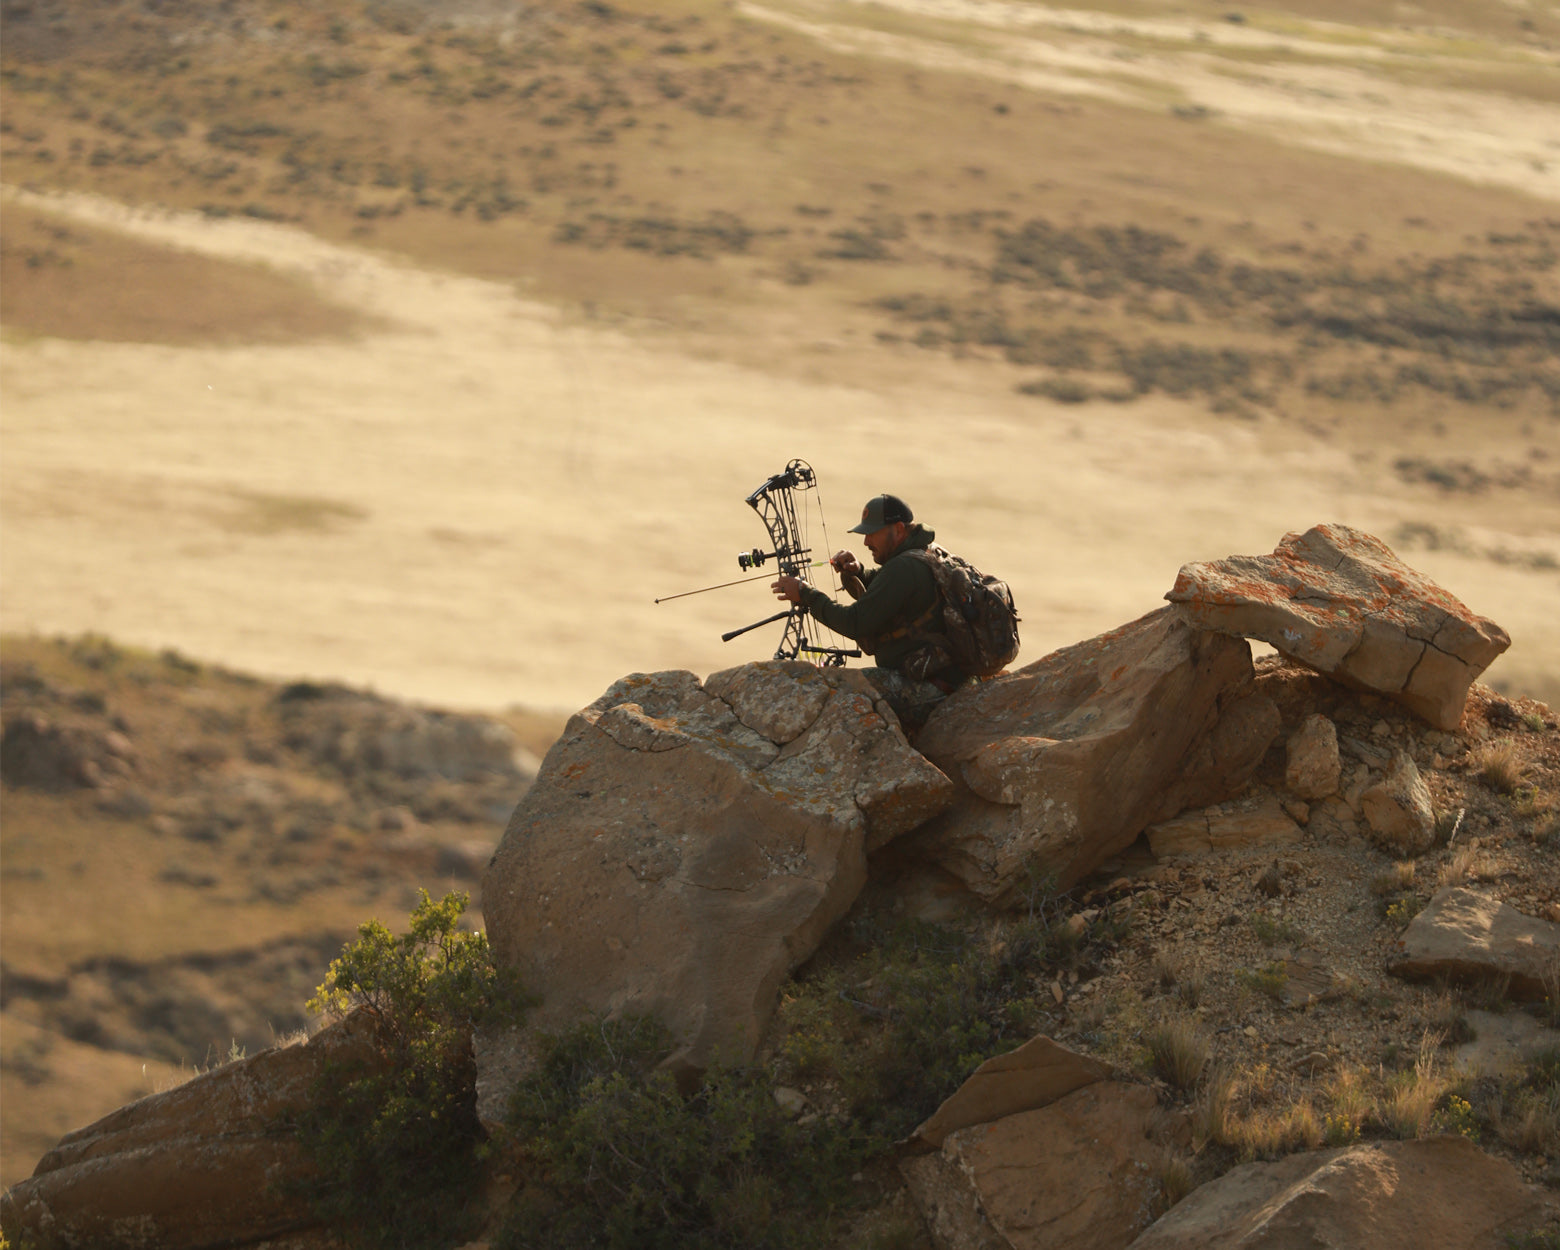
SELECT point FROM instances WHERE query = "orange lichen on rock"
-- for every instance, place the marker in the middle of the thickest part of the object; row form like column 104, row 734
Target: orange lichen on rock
column 1338, row 600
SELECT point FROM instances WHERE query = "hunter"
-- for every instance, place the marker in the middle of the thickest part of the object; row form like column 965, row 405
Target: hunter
column 896, row 618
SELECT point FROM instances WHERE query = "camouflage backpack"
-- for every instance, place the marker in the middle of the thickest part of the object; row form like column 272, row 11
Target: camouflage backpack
column 978, row 616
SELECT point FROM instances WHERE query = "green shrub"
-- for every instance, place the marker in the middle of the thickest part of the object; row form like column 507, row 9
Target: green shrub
column 1271, row 979
column 1455, row 1115
column 1270, row 932
column 623, row 1161
column 398, row 1150
column 897, row 1028
column 1063, row 390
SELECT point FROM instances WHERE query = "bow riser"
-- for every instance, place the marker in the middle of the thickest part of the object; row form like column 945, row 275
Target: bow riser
column 775, row 503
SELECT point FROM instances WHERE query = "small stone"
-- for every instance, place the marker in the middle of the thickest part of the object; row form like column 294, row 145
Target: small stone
column 1381, row 730
column 1313, row 767
column 1398, row 809
column 792, row 1101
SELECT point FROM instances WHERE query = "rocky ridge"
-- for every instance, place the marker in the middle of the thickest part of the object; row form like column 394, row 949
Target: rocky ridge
column 1274, row 927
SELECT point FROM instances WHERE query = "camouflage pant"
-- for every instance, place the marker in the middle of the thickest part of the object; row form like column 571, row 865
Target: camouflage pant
column 911, row 700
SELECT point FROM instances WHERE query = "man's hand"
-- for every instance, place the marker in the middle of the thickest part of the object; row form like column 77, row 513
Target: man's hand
column 788, row 588
column 845, row 562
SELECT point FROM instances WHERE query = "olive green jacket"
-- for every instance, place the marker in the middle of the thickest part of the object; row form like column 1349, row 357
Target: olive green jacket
column 896, row 594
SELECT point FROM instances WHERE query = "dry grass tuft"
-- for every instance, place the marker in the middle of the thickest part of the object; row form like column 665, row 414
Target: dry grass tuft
column 1269, row 1132
column 1446, row 1015
column 1455, row 869
column 1173, row 970
column 1213, row 1108
column 1398, row 879
column 1169, row 967
column 1499, row 766
column 1531, row 1124
column 1466, row 863
column 1193, row 985
column 1301, row 1126
column 1348, row 1096
column 1551, row 977
column 1175, row 1178
column 1179, row 1050
column 1411, row 1096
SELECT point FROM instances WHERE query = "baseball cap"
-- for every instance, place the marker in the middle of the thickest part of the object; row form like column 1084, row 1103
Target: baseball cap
column 882, row 510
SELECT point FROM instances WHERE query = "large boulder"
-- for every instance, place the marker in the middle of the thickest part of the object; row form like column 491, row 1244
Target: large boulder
column 1463, row 935
column 685, row 846
column 1082, row 1172
column 1442, row 1193
column 1339, row 601
column 207, row 1164
column 1063, row 763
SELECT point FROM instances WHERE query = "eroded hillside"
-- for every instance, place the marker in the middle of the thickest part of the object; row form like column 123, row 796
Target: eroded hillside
column 187, row 848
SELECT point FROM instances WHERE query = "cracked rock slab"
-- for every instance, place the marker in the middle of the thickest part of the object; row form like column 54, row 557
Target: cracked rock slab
column 1255, row 820
column 1338, row 600
column 686, row 845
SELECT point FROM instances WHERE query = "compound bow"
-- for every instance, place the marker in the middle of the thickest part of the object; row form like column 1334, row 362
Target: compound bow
column 775, row 503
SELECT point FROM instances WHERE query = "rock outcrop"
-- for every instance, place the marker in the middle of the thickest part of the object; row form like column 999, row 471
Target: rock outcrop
column 1062, row 763
column 1442, row 1193
column 359, row 733
column 686, row 845
column 1464, row 935
column 46, row 753
column 202, row 1166
column 1080, row 1173
column 1340, row 601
